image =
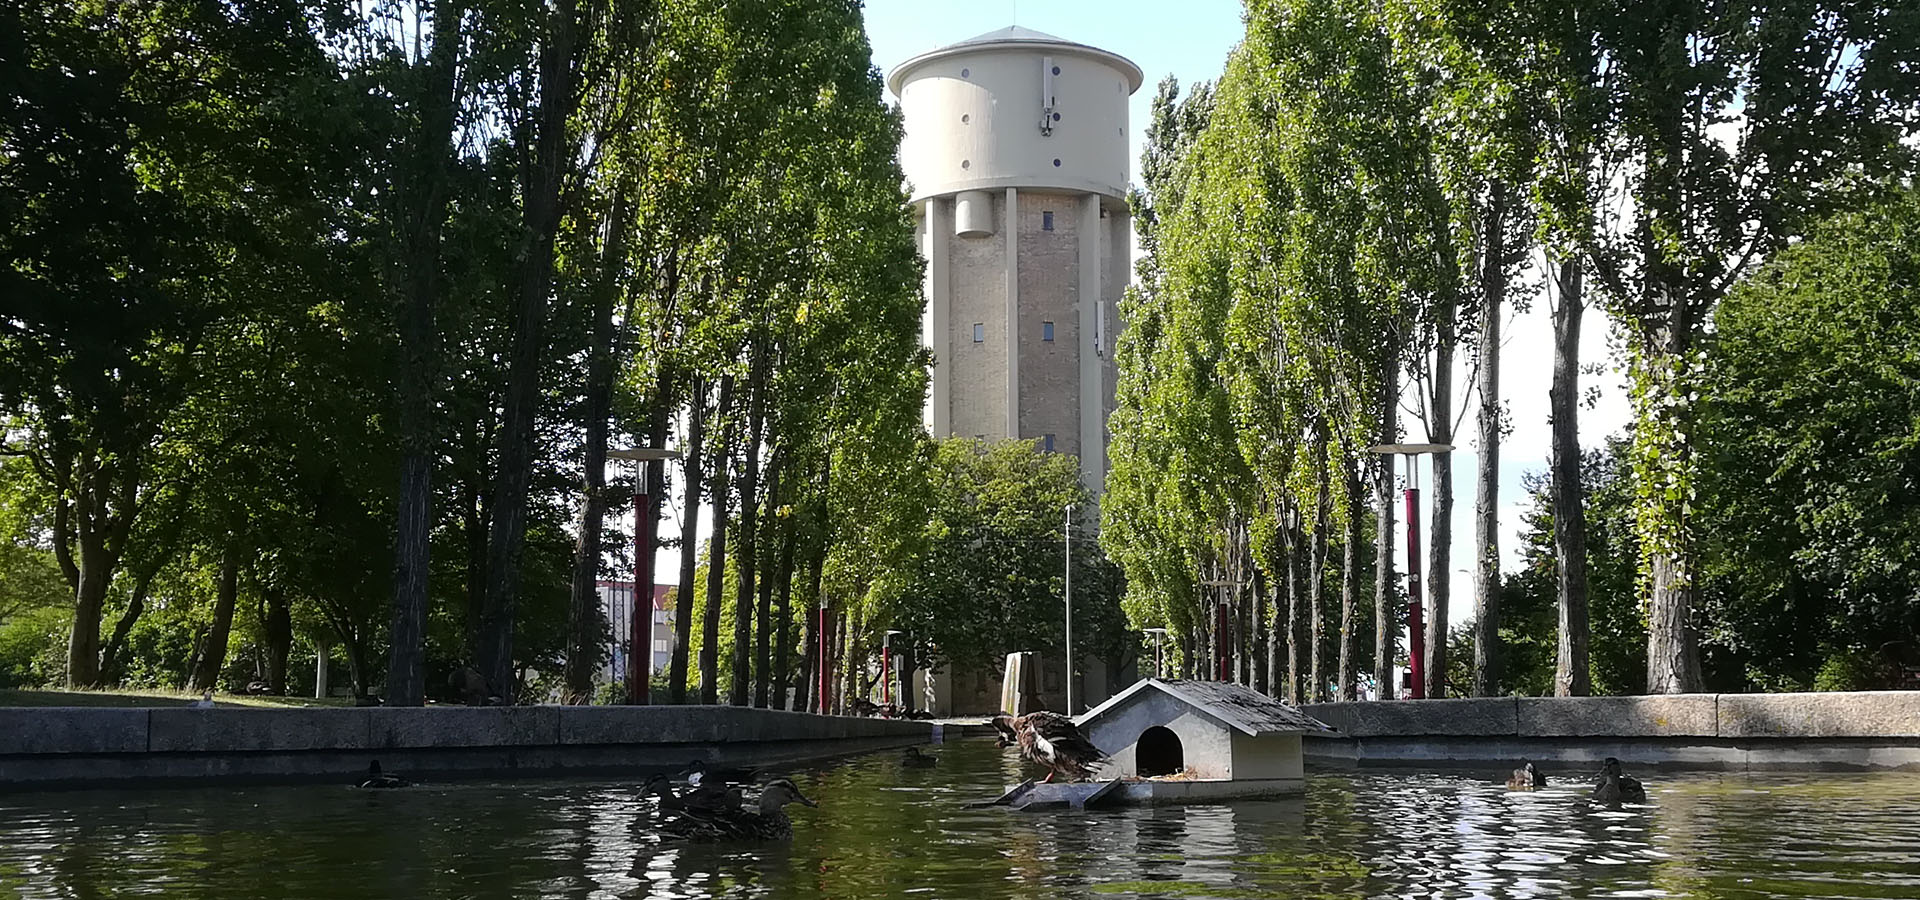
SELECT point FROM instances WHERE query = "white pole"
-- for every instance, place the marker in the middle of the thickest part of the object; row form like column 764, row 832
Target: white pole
column 1069, row 593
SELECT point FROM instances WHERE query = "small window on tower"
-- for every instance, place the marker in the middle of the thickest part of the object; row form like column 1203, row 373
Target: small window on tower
column 979, row 332
column 1046, row 331
column 1049, row 443
column 1046, row 220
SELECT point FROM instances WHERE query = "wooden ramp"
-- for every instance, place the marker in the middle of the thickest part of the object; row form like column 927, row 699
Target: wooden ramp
column 1057, row 795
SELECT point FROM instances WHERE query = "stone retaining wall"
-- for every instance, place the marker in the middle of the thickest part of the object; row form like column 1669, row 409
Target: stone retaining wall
column 1879, row 729
column 44, row 747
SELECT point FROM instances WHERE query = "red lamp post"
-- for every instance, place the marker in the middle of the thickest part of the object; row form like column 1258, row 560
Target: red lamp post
column 646, row 518
column 1416, row 625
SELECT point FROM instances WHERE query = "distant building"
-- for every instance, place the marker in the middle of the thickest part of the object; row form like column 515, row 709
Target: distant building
column 1016, row 159
column 616, row 603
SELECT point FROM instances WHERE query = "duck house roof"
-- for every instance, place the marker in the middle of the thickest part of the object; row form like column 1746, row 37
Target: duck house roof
column 1243, row 708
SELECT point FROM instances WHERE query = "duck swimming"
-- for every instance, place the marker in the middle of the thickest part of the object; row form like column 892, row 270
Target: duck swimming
column 698, row 774
column 914, row 759
column 379, row 779
column 1052, row 740
column 1614, row 788
column 768, row 823
column 1526, row 778
column 706, row 799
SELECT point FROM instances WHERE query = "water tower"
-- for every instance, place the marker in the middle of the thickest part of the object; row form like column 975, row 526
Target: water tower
column 1016, row 156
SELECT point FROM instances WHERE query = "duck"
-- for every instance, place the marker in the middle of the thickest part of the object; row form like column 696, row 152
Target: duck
column 697, row 774
column 704, row 799
column 1614, row 788
column 378, row 779
column 1526, row 778
column 914, row 759
column 768, row 822
column 1052, row 740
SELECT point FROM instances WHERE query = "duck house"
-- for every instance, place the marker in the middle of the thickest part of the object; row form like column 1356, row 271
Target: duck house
column 1185, row 742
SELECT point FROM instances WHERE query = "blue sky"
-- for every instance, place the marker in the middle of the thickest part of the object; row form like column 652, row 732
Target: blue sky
column 1190, row 40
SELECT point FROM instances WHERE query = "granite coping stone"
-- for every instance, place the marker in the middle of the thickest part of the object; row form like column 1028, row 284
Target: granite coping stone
column 231, row 729
column 1471, row 716
column 1672, row 715
column 72, row 729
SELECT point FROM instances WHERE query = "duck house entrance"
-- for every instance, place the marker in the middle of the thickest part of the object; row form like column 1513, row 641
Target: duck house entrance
column 1158, row 753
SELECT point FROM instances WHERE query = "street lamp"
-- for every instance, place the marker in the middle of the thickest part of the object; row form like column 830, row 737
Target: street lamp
column 1158, row 634
column 1416, row 630
column 645, row 514
column 1068, row 532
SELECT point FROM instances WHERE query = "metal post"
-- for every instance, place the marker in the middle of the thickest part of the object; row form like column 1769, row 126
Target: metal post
column 640, row 628
column 826, row 663
column 886, row 668
column 1069, row 596
column 321, row 655
column 1416, row 629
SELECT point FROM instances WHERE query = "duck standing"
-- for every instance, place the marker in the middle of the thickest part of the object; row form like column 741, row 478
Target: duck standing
column 1614, row 788
column 1052, row 740
column 768, row 822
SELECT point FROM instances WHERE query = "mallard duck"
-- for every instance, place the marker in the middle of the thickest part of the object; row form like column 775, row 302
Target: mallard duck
column 379, row 779
column 697, row 774
column 707, row 798
column 1614, row 788
column 1052, row 740
column 914, row 759
column 768, row 823
column 1526, row 778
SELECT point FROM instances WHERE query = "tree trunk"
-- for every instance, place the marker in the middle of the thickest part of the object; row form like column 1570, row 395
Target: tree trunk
column 112, row 662
column 213, row 655
column 1486, row 507
column 783, row 619
column 717, row 552
column 540, row 219
column 1572, row 676
column 1664, row 463
column 587, row 624
column 90, row 599
column 763, row 615
column 1349, row 576
column 689, row 543
column 279, row 627
column 474, row 520
column 424, row 202
column 1316, row 578
column 1440, row 529
column 745, row 565
column 1386, row 608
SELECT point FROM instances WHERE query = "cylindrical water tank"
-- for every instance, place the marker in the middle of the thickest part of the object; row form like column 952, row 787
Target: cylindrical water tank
column 1015, row 108
column 973, row 214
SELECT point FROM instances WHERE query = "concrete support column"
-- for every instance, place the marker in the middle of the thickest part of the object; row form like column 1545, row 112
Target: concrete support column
column 1012, row 230
column 1092, row 393
column 939, row 313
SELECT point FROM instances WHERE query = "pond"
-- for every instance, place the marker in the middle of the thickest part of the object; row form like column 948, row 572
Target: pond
column 885, row 831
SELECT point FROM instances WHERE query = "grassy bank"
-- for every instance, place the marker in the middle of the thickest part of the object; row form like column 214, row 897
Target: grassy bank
column 139, row 698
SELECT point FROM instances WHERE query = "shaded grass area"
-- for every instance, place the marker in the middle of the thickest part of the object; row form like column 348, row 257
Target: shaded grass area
column 140, row 698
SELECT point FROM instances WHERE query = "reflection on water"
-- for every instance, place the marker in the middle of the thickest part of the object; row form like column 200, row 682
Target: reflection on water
column 887, row 831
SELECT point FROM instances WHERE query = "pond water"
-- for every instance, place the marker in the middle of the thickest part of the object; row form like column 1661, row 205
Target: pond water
column 885, row 831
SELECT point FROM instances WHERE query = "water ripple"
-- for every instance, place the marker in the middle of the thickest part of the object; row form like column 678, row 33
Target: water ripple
column 886, row 831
